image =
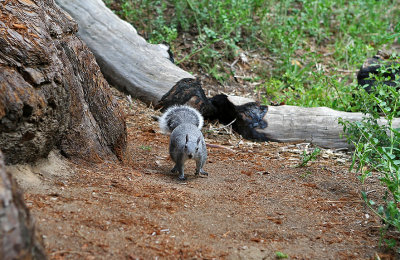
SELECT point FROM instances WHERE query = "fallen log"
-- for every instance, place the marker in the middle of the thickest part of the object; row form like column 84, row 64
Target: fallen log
column 127, row 61
column 145, row 71
column 316, row 125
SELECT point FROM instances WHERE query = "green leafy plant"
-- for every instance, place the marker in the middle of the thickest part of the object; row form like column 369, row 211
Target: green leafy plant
column 377, row 148
column 304, row 175
column 306, row 157
column 145, row 147
column 281, row 255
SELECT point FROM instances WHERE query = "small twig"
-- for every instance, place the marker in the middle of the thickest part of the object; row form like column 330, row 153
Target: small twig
column 340, row 201
column 69, row 252
column 233, row 64
column 224, row 235
column 129, row 98
column 341, row 149
column 331, row 223
column 346, row 71
column 220, row 146
column 241, row 77
column 225, row 126
column 328, row 54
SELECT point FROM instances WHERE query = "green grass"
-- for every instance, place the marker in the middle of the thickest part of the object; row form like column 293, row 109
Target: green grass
column 315, row 46
column 315, row 41
column 145, row 147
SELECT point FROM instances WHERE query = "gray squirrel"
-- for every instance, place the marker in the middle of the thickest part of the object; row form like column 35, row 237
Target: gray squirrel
column 186, row 140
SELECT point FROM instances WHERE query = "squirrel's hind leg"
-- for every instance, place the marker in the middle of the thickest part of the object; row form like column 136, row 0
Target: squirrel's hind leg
column 182, row 176
column 203, row 172
column 174, row 170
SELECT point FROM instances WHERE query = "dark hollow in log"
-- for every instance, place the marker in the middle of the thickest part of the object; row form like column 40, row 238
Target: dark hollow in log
column 52, row 93
column 18, row 239
column 190, row 92
column 246, row 115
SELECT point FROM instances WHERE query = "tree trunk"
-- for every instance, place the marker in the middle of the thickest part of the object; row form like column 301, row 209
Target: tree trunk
column 52, row 93
column 17, row 231
column 127, row 61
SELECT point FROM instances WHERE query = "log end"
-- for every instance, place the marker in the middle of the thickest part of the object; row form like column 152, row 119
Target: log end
column 188, row 91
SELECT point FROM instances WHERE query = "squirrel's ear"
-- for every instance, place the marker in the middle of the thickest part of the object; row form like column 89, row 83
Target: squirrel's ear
column 187, row 138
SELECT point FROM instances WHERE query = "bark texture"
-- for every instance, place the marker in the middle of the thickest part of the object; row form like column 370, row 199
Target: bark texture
column 52, row 93
column 18, row 239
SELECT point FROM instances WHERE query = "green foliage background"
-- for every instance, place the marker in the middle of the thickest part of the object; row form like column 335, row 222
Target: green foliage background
column 316, row 46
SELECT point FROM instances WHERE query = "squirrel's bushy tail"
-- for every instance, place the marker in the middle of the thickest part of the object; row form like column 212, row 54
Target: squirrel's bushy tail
column 181, row 114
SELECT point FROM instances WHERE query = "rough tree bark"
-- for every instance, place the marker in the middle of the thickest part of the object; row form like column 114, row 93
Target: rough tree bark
column 18, row 239
column 52, row 93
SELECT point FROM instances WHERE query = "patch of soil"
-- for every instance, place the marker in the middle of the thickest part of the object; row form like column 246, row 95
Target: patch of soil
column 254, row 203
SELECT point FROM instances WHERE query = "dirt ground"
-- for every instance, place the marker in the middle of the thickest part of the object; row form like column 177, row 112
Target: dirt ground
column 253, row 204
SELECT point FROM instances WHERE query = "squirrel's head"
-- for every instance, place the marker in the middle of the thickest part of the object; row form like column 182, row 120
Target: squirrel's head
column 192, row 148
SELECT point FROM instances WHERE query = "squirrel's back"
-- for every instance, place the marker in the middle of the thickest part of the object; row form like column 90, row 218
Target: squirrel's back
column 187, row 142
column 177, row 115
